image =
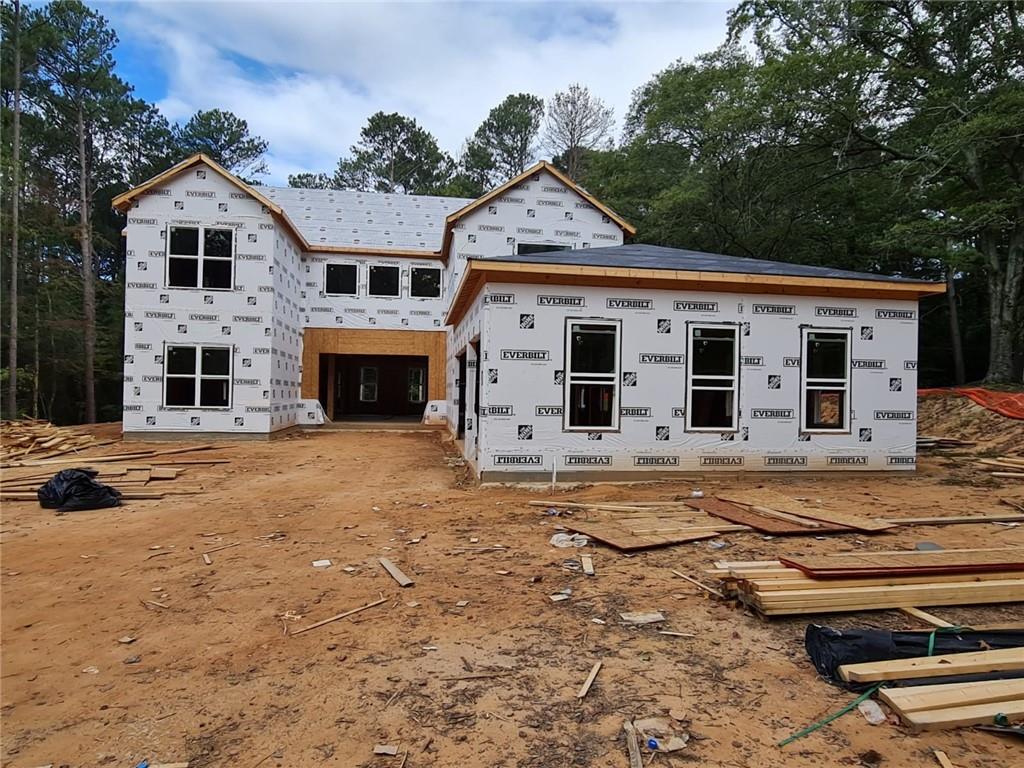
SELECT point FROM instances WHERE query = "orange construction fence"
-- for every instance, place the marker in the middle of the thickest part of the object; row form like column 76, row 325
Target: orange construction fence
column 1009, row 404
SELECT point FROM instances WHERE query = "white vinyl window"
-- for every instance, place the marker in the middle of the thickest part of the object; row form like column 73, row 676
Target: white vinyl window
column 341, row 279
column 200, row 257
column 417, row 385
column 592, row 375
column 368, row 384
column 197, row 376
column 825, row 380
column 425, row 282
column 712, row 378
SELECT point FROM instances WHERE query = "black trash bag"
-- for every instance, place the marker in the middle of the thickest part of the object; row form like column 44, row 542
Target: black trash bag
column 73, row 489
column 830, row 648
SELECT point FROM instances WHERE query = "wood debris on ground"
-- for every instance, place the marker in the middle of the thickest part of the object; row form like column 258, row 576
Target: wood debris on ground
column 22, row 439
column 927, row 442
column 1004, row 467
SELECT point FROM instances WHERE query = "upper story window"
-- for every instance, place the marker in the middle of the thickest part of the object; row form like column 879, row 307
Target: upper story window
column 384, row 281
column 525, row 248
column 425, row 282
column 825, row 381
column 592, row 375
column 341, row 279
column 200, row 257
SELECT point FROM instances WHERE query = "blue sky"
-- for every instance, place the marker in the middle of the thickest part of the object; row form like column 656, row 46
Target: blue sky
column 306, row 75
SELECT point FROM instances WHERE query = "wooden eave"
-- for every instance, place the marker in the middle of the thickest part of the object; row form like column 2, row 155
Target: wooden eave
column 543, row 165
column 480, row 272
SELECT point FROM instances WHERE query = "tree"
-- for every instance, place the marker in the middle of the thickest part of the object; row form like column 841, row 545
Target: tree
column 310, row 180
column 943, row 105
column 83, row 90
column 12, row 296
column 577, row 122
column 505, row 144
column 225, row 138
column 394, row 154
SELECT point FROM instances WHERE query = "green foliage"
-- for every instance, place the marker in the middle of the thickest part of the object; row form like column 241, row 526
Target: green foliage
column 394, row 154
column 505, row 144
column 310, row 180
column 225, row 138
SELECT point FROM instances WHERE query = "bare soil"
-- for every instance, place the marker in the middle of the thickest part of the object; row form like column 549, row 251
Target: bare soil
column 218, row 681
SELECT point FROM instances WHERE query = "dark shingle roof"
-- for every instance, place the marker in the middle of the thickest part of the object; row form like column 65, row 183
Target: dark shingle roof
column 640, row 256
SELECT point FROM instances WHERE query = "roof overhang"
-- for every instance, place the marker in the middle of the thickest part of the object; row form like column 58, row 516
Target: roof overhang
column 479, row 272
column 543, row 165
column 123, row 203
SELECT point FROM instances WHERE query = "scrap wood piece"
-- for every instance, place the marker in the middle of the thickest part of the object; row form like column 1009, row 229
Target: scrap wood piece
column 955, row 519
column 696, row 583
column 339, row 616
column 1000, row 660
column 640, row 618
column 787, row 516
column 926, row 617
column 737, row 514
column 943, row 759
column 615, row 535
column 590, row 680
column 587, row 563
column 224, row 546
column 632, row 745
column 396, row 573
column 478, row 676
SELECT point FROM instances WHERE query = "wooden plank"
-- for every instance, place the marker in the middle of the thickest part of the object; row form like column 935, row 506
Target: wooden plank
column 846, row 519
column 796, row 519
column 590, row 680
column 396, row 573
column 632, row 745
column 791, row 579
column 865, row 565
column 1001, row 660
column 620, row 538
column 696, row 583
column 911, row 594
column 920, row 698
column 942, row 759
column 736, row 514
column 926, row 617
column 1009, row 517
column 958, row 717
column 340, row 616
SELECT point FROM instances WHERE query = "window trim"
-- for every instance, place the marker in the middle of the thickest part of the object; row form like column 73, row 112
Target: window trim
column 689, row 388
column 440, row 284
column 198, row 376
column 615, row 378
column 342, row 264
column 369, row 273
column 376, row 383
column 845, row 384
column 200, row 257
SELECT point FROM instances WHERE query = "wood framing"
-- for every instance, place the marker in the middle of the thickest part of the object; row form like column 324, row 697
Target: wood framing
column 372, row 341
column 479, row 272
column 543, row 165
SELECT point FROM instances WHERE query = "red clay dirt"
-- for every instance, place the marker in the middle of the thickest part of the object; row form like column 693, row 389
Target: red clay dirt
column 218, row 682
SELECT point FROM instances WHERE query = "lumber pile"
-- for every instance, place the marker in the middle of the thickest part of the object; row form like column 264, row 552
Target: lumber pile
column 847, row 582
column 1005, row 467
column 141, row 454
column 134, row 481
column 925, row 442
column 21, row 439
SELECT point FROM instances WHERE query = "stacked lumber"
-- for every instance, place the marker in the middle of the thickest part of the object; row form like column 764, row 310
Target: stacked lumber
column 33, row 438
column 120, row 458
column 134, row 481
column 1006, row 467
column 925, row 442
column 881, row 581
column 949, row 705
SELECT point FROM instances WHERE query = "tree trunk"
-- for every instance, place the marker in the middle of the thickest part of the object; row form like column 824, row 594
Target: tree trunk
column 12, row 296
column 35, row 347
column 1005, row 283
column 959, row 375
column 88, row 274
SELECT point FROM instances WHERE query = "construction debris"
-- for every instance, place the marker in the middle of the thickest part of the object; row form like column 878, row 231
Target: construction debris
column 932, row 707
column 590, row 680
column 24, row 438
column 1005, row 467
column 925, row 442
column 396, row 573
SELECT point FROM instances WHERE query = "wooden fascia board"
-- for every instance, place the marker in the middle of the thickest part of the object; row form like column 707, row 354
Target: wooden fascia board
column 357, row 251
column 486, row 271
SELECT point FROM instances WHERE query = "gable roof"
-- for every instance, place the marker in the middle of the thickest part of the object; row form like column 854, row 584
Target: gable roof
column 282, row 201
column 657, row 267
column 543, row 165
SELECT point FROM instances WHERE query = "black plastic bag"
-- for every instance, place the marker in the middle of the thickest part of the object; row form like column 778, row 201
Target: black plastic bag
column 73, row 489
column 830, row 648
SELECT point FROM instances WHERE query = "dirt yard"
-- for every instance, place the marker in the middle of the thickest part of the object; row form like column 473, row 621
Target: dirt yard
column 474, row 665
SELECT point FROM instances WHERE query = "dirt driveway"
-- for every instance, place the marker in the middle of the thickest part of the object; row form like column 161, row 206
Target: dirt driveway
column 474, row 665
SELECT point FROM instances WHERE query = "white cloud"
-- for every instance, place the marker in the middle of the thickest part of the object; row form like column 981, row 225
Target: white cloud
column 307, row 75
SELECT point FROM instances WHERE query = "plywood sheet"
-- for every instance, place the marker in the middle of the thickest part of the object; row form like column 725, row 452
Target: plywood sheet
column 736, row 514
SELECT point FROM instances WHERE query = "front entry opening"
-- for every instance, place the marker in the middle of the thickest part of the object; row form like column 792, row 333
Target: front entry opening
column 462, row 395
column 373, row 386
